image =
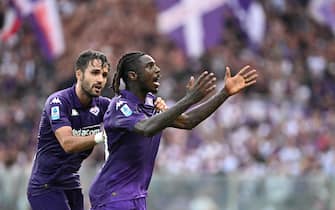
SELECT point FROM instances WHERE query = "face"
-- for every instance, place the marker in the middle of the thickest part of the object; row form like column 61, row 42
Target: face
column 149, row 74
column 94, row 78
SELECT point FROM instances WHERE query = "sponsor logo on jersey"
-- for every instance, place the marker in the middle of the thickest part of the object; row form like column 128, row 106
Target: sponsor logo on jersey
column 55, row 114
column 55, row 100
column 86, row 131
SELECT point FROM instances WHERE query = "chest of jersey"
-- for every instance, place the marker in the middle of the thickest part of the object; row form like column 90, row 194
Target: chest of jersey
column 85, row 122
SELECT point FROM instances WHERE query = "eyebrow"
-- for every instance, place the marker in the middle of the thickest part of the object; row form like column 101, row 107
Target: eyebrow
column 151, row 63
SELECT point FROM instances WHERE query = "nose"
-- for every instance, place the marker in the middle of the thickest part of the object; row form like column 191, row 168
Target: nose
column 157, row 70
column 100, row 78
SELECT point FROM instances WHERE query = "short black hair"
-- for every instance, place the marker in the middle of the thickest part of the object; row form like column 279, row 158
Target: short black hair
column 126, row 63
column 88, row 55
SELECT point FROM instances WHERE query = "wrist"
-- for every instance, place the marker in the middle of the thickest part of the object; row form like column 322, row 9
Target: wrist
column 100, row 137
column 224, row 93
column 188, row 100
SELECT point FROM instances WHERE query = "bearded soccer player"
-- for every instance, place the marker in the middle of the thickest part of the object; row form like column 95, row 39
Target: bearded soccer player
column 68, row 131
column 134, row 127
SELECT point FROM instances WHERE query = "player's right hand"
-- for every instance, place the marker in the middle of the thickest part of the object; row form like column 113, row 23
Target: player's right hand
column 200, row 88
column 100, row 137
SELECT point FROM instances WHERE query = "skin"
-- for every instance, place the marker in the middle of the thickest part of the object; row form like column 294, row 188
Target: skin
column 144, row 80
column 90, row 83
column 244, row 78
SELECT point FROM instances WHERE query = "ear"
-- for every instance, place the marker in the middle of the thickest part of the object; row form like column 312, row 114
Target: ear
column 79, row 74
column 132, row 75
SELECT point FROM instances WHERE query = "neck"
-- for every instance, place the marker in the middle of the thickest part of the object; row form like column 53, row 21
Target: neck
column 84, row 98
column 137, row 92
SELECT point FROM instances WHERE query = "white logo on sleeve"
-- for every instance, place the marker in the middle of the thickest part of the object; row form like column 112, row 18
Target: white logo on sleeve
column 126, row 110
column 119, row 104
column 55, row 114
column 95, row 110
column 74, row 112
column 55, row 101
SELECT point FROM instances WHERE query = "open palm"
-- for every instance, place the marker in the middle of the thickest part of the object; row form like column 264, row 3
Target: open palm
column 244, row 78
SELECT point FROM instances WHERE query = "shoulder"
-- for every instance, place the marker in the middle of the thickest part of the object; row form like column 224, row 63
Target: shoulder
column 122, row 105
column 59, row 98
column 104, row 100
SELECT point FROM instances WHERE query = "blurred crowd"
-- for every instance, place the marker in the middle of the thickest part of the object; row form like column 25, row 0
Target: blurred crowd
column 285, row 124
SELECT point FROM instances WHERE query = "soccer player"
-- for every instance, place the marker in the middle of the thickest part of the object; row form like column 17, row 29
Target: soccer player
column 68, row 131
column 134, row 127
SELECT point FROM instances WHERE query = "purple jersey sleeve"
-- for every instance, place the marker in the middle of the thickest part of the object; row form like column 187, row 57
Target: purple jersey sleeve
column 58, row 111
column 122, row 114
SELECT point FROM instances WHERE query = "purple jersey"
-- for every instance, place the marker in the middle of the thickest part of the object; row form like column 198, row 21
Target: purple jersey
column 53, row 167
column 128, row 169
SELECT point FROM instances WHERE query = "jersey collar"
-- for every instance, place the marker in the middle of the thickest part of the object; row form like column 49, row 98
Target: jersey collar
column 149, row 100
column 76, row 100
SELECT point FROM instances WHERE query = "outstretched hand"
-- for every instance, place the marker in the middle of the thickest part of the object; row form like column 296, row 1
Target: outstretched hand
column 198, row 89
column 244, row 78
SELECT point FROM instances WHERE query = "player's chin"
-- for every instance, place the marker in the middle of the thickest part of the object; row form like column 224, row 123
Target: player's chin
column 154, row 90
column 95, row 93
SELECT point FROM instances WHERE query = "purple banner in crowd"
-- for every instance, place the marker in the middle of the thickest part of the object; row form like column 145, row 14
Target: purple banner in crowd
column 198, row 25
column 193, row 26
column 324, row 12
column 43, row 16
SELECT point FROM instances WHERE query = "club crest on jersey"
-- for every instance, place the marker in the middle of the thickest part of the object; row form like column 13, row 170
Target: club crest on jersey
column 55, row 100
column 95, row 110
column 126, row 110
column 55, row 114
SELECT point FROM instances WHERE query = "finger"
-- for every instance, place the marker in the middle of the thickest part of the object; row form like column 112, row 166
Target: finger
column 250, row 73
column 251, row 78
column 210, row 89
column 244, row 70
column 157, row 101
column 210, row 78
column 250, row 83
column 190, row 82
column 201, row 77
column 228, row 73
column 161, row 107
column 210, row 82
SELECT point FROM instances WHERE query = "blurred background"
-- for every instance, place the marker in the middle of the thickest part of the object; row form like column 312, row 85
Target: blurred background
column 271, row 147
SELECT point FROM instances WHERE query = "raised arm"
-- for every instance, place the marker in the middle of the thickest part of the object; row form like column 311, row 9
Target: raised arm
column 196, row 92
column 244, row 78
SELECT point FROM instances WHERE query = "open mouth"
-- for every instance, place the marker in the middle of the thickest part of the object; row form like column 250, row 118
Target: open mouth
column 156, row 81
column 97, row 88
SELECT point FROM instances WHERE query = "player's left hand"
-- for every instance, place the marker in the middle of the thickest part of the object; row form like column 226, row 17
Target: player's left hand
column 244, row 78
column 160, row 104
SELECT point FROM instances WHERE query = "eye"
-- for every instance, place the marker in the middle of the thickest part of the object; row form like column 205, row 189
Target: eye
column 150, row 65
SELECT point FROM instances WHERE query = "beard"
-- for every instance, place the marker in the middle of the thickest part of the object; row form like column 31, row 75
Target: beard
column 88, row 90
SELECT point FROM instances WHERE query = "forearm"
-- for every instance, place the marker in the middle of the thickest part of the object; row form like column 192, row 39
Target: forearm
column 152, row 125
column 204, row 110
column 72, row 144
